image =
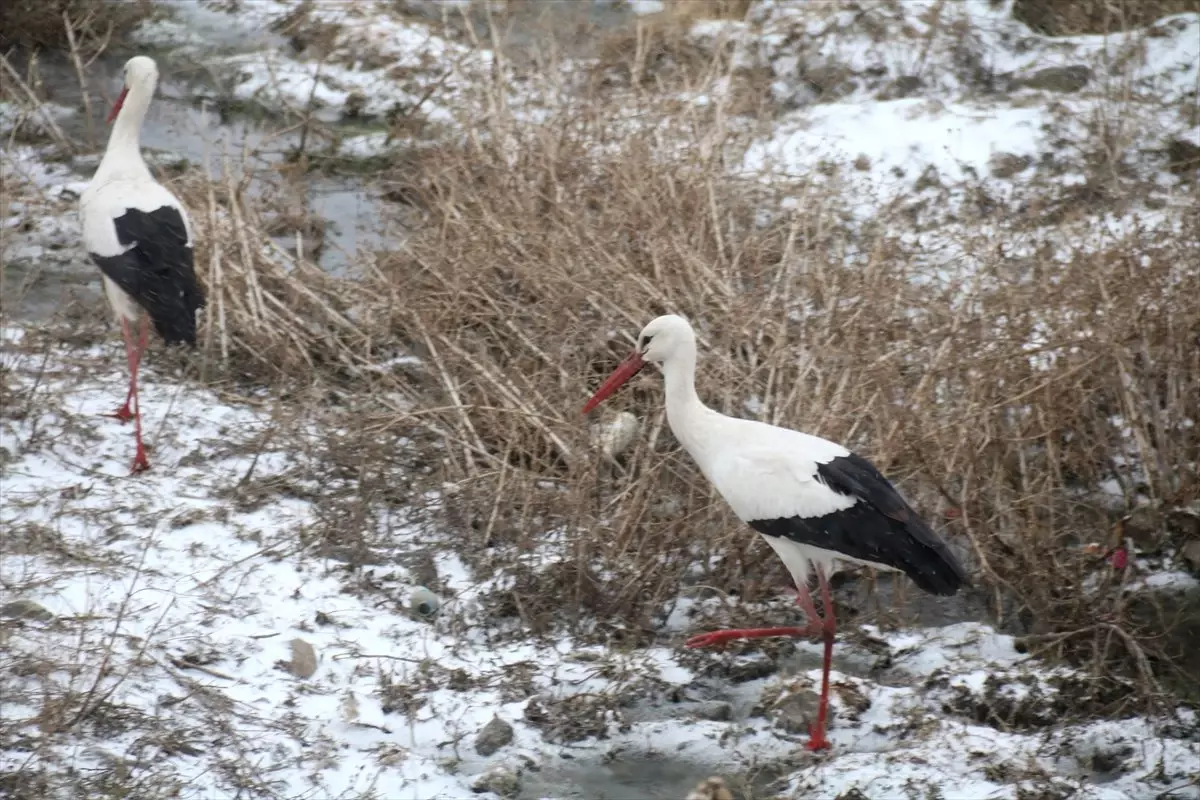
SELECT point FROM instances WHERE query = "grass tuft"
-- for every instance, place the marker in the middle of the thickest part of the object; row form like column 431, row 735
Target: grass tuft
column 40, row 23
column 1073, row 17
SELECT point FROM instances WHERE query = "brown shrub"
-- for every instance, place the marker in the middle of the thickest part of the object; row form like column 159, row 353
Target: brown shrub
column 40, row 23
column 1007, row 395
column 1070, row 17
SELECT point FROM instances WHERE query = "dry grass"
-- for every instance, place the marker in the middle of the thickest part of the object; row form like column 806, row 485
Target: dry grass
column 39, row 23
column 999, row 398
column 1007, row 394
column 1070, row 17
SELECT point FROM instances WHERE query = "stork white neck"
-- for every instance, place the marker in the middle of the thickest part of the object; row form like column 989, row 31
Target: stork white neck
column 691, row 421
column 124, row 154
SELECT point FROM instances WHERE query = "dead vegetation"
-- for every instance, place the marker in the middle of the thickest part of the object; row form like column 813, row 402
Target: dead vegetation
column 1000, row 399
column 39, row 23
column 1071, row 17
column 1001, row 382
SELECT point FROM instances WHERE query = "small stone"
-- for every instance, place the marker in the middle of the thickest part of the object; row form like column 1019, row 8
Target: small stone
column 500, row 780
column 752, row 669
column 493, row 736
column 424, row 603
column 1058, row 79
column 904, row 86
column 303, row 663
column 713, row 710
column 25, row 609
column 713, row 788
column 796, row 711
column 1005, row 165
column 1190, row 553
column 1144, row 525
column 929, row 179
column 1183, row 157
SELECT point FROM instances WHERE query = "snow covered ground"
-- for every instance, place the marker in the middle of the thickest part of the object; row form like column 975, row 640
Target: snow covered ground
column 180, row 632
column 183, row 633
column 918, row 96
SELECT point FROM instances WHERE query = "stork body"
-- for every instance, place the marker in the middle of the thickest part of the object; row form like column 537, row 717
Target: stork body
column 811, row 500
column 138, row 234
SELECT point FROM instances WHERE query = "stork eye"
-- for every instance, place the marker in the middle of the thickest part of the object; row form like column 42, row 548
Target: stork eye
column 644, row 343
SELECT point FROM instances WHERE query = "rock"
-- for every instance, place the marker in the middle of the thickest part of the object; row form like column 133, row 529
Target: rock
column 1005, row 165
column 713, row 788
column 500, row 780
column 795, row 712
column 904, row 86
column 303, row 663
column 752, row 669
column 1183, row 524
column 929, row 179
column 713, row 710
column 25, row 609
column 1144, row 525
column 1058, row 79
column 349, row 707
column 493, row 736
column 423, row 602
column 1190, row 553
column 1183, row 157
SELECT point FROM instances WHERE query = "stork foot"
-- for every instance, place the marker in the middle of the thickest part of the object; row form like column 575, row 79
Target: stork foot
column 140, row 464
column 123, row 414
column 816, row 739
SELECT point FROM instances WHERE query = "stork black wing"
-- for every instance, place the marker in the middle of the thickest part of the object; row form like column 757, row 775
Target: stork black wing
column 880, row 527
column 158, row 270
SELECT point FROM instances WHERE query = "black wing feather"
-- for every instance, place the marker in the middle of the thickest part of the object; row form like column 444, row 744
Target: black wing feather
column 158, row 271
column 881, row 527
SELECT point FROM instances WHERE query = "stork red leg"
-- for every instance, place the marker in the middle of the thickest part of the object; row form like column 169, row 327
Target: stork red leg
column 140, row 464
column 817, row 625
column 814, row 627
column 133, row 355
column 816, row 732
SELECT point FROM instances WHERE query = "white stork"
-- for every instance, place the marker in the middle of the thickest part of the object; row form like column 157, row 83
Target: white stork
column 138, row 233
column 813, row 501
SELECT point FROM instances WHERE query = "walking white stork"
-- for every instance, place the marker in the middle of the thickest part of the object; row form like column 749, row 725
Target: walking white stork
column 813, row 501
column 138, row 233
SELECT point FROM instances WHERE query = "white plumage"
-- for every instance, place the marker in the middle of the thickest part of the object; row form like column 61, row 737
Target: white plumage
column 108, row 198
column 123, row 181
column 139, row 234
column 813, row 501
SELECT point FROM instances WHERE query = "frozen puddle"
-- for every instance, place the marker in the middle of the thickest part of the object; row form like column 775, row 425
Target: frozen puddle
column 181, row 630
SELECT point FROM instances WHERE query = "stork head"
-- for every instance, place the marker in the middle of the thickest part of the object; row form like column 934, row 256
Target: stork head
column 140, row 74
column 665, row 338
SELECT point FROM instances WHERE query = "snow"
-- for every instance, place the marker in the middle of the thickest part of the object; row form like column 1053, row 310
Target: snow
column 194, row 579
column 895, row 99
column 197, row 595
column 645, row 7
column 13, row 117
column 957, row 139
column 379, row 63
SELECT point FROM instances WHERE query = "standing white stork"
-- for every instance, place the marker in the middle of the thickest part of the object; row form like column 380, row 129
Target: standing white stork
column 138, row 233
column 813, row 501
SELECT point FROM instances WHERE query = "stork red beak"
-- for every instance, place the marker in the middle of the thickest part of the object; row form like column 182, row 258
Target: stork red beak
column 116, row 109
column 627, row 369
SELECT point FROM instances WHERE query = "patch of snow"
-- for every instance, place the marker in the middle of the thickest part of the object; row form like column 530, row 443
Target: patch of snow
column 931, row 103
column 13, row 116
column 197, row 598
column 645, row 7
